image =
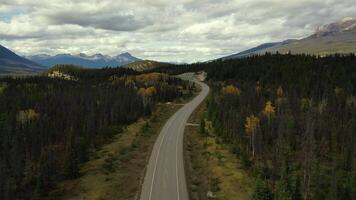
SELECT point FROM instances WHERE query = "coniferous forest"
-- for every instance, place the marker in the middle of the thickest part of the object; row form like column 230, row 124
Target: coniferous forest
column 48, row 125
column 291, row 119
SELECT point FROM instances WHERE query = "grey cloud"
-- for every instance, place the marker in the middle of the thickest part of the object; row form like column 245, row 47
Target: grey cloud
column 182, row 30
column 116, row 21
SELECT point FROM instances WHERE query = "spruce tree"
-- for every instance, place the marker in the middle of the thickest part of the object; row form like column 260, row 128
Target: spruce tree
column 261, row 191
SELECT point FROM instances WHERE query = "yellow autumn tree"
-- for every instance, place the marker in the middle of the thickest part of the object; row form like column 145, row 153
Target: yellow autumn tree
column 251, row 126
column 141, row 91
column 232, row 90
column 280, row 92
column 24, row 116
column 145, row 78
column 281, row 99
column 269, row 110
column 147, row 92
column 151, row 91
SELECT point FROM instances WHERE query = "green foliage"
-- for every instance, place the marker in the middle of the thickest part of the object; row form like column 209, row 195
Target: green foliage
column 282, row 191
column 261, row 191
column 202, row 126
column 306, row 108
column 49, row 125
column 71, row 162
column 214, row 184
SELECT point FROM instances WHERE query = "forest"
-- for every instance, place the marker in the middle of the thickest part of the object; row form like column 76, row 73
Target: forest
column 50, row 123
column 291, row 119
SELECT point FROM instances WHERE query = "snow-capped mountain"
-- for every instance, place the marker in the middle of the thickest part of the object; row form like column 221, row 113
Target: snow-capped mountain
column 91, row 61
column 346, row 24
column 336, row 37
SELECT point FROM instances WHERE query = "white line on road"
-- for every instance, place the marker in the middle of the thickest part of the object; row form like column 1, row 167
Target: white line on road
column 155, row 167
column 180, row 127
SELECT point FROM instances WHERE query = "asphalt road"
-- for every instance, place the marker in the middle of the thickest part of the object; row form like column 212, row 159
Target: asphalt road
column 165, row 178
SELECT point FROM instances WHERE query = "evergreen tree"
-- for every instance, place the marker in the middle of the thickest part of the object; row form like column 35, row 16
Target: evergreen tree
column 261, row 191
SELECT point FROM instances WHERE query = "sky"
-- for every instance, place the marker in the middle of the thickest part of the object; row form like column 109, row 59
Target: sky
column 163, row 30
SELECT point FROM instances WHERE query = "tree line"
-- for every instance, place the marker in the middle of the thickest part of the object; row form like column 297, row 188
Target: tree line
column 48, row 125
column 291, row 119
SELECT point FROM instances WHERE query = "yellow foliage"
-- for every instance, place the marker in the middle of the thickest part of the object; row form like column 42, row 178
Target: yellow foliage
column 147, row 92
column 306, row 103
column 141, row 91
column 151, row 90
column 230, row 89
column 251, row 124
column 280, row 92
column 269, row 109
column 280, row 96
column 24, row 116
column 148, row 77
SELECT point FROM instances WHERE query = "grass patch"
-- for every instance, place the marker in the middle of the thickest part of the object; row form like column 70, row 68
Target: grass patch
column 213, row 171
column 115, row 171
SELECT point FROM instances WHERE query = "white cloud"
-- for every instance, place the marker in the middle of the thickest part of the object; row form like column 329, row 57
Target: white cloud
column 183, row 30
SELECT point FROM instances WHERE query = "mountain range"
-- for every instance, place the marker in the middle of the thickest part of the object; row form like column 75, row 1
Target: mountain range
column 337, row 37
column 90, row 61
column 11, row 63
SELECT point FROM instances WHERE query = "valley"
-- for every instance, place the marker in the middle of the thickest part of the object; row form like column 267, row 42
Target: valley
column 177, row 100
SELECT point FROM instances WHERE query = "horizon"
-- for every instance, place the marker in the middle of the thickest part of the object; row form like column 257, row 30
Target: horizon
column 158, row 30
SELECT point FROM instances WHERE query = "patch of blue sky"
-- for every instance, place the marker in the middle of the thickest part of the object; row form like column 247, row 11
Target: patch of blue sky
column 7, row 16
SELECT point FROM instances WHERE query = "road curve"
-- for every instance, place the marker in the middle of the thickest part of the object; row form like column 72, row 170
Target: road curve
column 165, row 178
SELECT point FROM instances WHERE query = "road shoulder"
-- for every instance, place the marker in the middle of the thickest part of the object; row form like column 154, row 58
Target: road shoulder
column 116, row 170
column 212, row 171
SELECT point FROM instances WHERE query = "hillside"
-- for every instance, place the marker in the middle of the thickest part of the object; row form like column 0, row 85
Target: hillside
column 12, row 64
column 144, row 65
column 338, row 37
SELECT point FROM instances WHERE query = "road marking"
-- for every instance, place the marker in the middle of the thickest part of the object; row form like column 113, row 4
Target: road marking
column 177, row 178
column 155, row 167
column 178, row 115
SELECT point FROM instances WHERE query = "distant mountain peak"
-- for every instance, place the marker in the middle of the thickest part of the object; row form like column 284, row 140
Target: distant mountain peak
column 348, row 19
column 336, row 37
column 92, row 61
column 345, row 24
column 11, row 63
column 125, row 54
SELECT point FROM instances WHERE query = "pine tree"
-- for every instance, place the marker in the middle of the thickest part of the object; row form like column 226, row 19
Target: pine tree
column 283, row 191
column 71, row 168
column 261, row 191
column 202, row 126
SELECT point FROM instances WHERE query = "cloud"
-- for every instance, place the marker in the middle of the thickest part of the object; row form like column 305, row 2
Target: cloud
column 182, row 30
column 116, row 22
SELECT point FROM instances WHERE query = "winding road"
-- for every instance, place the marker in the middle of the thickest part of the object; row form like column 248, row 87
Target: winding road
column 165, row 178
